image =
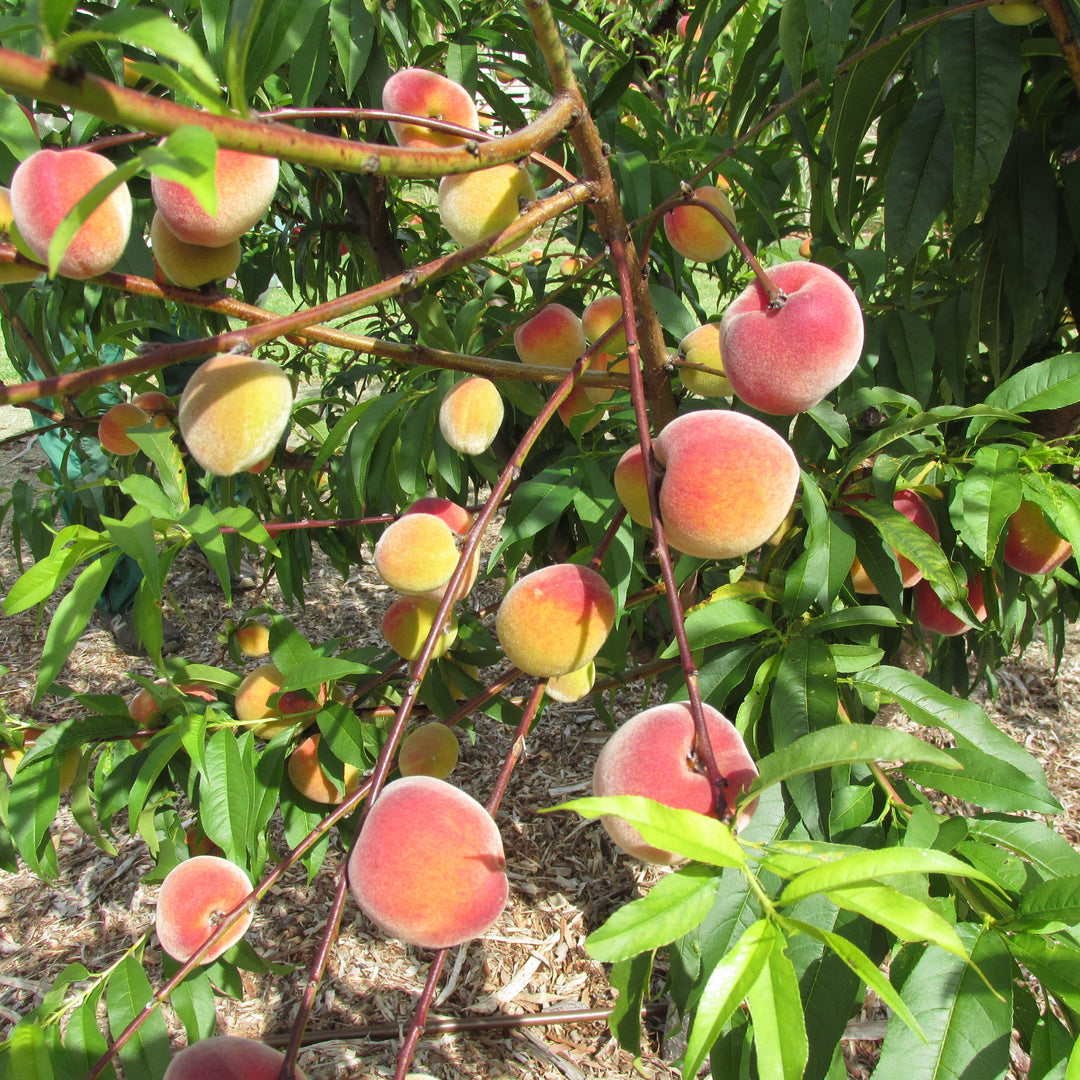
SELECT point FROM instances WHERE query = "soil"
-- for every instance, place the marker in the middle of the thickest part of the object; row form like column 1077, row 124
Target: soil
column 565, row 876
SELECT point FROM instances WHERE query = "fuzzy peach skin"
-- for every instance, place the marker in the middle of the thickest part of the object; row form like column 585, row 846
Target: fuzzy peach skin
column 252, row 702
column 13, row 273
column 912, row 505
column 46, row 186
column 652, row 755
column 602, row 314
column 192, row 899
column 1031, row 545
column 312, row 780
column 728, row 483
column 931, row 614
column 785, row 360
column 475, row 206
column 416, row 553
column 460, row 521
column 694, row 232
column 553, row 337
column 227, row 1057
column 114, row 424
column 431, row 749
column 191, row 265
column 428, row 867
column 158, row 405
column 471, row 414
column 422, row 93
column 234, row 411
column 245, row 186
column 407, row 623
column 253, row 640
column 555, row 620
column 572, row 686
column 702, row 346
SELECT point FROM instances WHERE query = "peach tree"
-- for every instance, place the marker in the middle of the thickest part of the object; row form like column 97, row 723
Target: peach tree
column 753, row 323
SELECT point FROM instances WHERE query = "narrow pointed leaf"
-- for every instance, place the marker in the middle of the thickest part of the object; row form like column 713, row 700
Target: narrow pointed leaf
column 779, row 1025
column 909, row 919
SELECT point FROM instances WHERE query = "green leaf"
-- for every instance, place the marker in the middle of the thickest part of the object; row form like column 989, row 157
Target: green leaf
column 864, row 968
column 353, row 33
column 1049, row 907
column 204, row 527
column 919, row 179
column 726, row 987
column 968, row 1026
column 684, row 832
column 779, row 1025
column 716, row 622
column 146, row 1054
column 909, row 919
column 986, row 497
column 844, row 744
column 227, row 792
column 1048, row 384
column 986, row 781
column 159, row 753
column 1054, row 962
column 1034, row 841
column 980, row 84
column 671, row 908
column 28, row 1052
column 193, row 1000
column 135, row 537
column 189, row 157
column 70, row 619
column 872, row 865
column 630, row 981
column 53, row 17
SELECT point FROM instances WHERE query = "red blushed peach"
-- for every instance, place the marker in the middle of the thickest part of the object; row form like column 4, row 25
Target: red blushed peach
column 234, row 411
column 460, row 521
column 252, row 702
column 114, row 424
column 193, row 898
column 145, row 709
column 694, row 232
column 911, row 505
column 245, row 186
column 312, row 780
column 253, row 640
column 428, row 867
column 570, row 266
column 407, row 623
column 475, row 206
column 555, row 620
column 426, row 94
column 191, row 266
column 227, row 1057
column 46, row 186
column 602, row 314
column 652, row 755
column 12, row 755
column 160, row 407
column 470, row 415
column 931, row 614
column 1031, row 545
column 785, row 360
column 728, row 483
column 429, row 750
column 553, row 337
column 702, row 346
column 416, row 553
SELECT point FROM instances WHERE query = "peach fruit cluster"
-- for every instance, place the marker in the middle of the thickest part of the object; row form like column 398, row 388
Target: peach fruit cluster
column 227, row 1057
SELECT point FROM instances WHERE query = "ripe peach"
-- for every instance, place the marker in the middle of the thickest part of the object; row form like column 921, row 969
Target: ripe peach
column 12, row 755
column 728, row 482
column 145, row 709
column 460, row 521
column 470, row 415
column 416, row 553
column 570, row 266
column 233, row 411
column 253, row 696
column 555, row 620
column 13, row 273
column 429, row 750
column 428, row 867
column 475, row 206
column 652, row 754
column 193, row 898
column 702, row 346
column 312, row 780
column 584, row 399
column 694, row 232
column 1016, row 13
column 422, row 93
column 245, row 188
column 46, row 186
column 191, row 265
column 933, row 615
column 1031, row 545
column 407, row 623
column 113, row 426
column 680, row 28
column 785, row 360
column 227, row 1057
column 806, row 247
column 253, row 640
column 157, row 405
column 572, row 686
column 198, row 843
column 912, row 506
column 553, row 337
column 603, row 313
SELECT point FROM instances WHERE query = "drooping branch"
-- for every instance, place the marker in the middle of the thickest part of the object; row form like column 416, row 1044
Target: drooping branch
column 21, row 74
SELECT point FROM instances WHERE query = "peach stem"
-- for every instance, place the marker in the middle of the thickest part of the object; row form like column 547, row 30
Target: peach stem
column 702, row 743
